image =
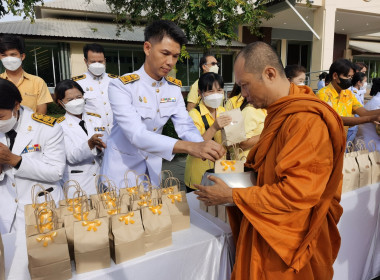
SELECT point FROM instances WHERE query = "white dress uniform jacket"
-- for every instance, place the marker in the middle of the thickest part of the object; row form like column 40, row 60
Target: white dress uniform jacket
column 83, row 164
column 141, row 108
column 96, row 95
column 42, row 150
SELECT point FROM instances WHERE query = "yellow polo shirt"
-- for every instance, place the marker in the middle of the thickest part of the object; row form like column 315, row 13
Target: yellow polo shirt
column 253, row 118
column 193, row 95
column 196, row 167
column 33, row 89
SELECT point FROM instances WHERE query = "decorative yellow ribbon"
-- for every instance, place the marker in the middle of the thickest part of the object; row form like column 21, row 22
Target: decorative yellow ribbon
column 92, row 225
column 132, row 191
column 175, row 197
column 76, row 208
column 228, row 163
column 72, row 201
column 105, row 196
column 46, row 238
column 45, row 227
column 168, row 190
column 45, row 216
column 40, row 206
column 127, row 218
column 111, row 202
column 144, row 202
column 113, row 211
column 156, row 209
column 78, row 216
column 144, row 196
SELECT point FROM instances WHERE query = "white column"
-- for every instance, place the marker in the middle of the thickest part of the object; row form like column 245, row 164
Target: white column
column 284, row 51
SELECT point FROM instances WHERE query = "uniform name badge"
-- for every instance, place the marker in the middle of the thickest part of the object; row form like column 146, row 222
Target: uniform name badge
column 31, row 148
column 166, row 100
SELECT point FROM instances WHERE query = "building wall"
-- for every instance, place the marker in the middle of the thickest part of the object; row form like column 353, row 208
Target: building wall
column 77, row 64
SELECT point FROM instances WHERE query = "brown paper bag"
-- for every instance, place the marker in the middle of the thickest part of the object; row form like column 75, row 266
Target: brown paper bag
column 365, row 170
column 130, row 182
column 374, row 157
column 48, row 253
column 67, row 187
column 234, row 132
column 234, row 165
column 163, row 176
column 158, row 226
column 103, row 185
column 213, row 210
column 350, row 170
column 179, row 210
column 203, row 206
column 38, row 203
column 171, row 186
column 91, row 245
column 222, row 213
column 2, row 260
column 127, row 236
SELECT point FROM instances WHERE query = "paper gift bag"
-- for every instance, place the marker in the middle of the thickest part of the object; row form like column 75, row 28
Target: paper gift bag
column 110, row 203
column 365, row 170
column 69, row 188
column 164, row 175
column 203, row 206
column 103, row 185
column 179, row 210
column 171, row 185
column 234, row 165
column 2, row 261
column 158, row 226
column 222, row 213
column 213, row 210
column 48, row 253
column 235, row 131
column 350, row 170
column 127, row 236
column 41, row 199
column 130, row 182
column 91, row 245
column 374, row 157
column 141, row 201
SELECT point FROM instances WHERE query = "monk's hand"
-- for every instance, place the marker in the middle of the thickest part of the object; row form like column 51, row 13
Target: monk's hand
column 6, row 156
column 208, row 149
column 219, row 193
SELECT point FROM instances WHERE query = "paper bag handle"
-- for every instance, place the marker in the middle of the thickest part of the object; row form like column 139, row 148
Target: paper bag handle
column 126, row 178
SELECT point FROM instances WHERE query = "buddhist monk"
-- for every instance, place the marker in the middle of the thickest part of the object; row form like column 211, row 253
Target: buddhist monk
column 286, row 226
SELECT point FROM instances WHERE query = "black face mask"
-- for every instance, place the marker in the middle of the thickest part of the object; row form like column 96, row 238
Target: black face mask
column 344, row 83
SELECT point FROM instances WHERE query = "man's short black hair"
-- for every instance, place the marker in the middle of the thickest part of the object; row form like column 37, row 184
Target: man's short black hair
column 203, row 60
column 207, row 81
column 292, row 71
column 62, row 86
column 375, row 86
column 157, row 30
column 341, row 67
column 96, row 48
column 9, row 95
column 10, row 42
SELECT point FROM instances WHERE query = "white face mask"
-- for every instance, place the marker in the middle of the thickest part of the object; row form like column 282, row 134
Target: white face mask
column 11, row 63
column 214, row 69
column 364, row 86
column 75, row 107
column 97, row 69
column 213, row 100
column 7, row 125
column 301, row 84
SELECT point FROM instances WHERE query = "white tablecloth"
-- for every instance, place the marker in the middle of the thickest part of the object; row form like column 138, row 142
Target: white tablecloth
column 201, row 252
column 357, row 227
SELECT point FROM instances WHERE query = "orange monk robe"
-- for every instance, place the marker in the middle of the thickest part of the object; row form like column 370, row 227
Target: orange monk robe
column 286, row 226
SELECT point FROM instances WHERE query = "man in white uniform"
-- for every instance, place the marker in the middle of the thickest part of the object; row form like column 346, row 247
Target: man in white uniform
column 31, row 152
column 142, row 103
column 95, row 84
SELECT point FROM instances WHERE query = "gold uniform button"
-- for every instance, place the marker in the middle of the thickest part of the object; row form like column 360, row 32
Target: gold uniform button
column 108, row 125
column 102, row 92
column 158, row 110
column 157, row 90
column 13, row 184
column 153, row 84
column 106, row 114
column 105, row 103
column 16, row 200
column 93, row 162
column 94, row 174
column 155, row 129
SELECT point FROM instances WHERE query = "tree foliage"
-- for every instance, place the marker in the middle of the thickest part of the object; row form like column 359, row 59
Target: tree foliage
column 204, row 21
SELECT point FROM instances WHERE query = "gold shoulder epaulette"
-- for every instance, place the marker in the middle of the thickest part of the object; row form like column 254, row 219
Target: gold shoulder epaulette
column 129, row 78
column 112, row 76
column 78, row 78
column 44, row 119
column 93, row 114
column 174, row 81
column 61, row 119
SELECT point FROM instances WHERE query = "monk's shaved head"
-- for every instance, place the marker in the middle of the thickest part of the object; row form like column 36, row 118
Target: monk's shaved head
column 259, row 55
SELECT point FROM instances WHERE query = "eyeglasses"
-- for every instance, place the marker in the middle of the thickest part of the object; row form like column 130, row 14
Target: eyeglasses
column 213, row 63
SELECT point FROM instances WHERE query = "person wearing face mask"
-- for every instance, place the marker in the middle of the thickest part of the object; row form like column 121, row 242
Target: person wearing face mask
column 359, row 89
column 207, row 63
column 296, row 74
column 341, row 99
column 206, row 118
column 84, row 135
column 34, row 91
column 95, row 83
column 31, row 152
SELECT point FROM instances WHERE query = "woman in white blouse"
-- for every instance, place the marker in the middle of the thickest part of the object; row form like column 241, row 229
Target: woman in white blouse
column 84, row 136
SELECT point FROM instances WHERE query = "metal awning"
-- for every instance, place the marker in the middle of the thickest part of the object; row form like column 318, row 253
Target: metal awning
column 365, row 46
